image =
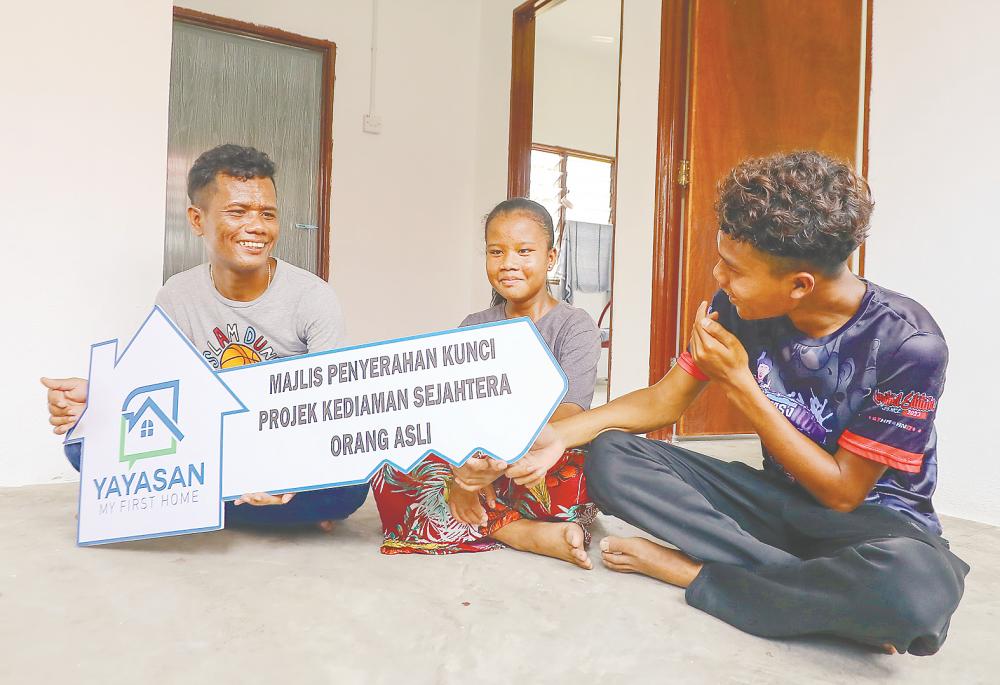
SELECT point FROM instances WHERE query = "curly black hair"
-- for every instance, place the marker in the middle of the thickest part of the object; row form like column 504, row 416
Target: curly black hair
column 803, row 206
column 232, row 160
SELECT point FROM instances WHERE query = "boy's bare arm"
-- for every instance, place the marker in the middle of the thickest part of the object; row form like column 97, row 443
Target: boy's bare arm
column 641, row 411
column 840, row 481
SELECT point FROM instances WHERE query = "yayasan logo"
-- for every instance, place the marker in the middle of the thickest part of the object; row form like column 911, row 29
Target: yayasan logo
column 149, row 423
column 915, row 405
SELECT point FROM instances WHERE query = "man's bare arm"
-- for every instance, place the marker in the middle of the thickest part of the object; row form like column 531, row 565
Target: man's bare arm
column 478, row 473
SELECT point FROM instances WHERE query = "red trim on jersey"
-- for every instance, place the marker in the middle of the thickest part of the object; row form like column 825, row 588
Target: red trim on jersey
column 883, row 454
column 686, row 362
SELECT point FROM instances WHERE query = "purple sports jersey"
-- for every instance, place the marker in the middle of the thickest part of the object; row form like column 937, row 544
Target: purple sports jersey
column 871, row 387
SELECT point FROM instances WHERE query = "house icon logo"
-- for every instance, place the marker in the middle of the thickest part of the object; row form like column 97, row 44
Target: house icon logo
column 149, row 422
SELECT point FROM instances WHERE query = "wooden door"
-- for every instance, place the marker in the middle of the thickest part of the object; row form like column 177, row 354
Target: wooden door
column 765, row 76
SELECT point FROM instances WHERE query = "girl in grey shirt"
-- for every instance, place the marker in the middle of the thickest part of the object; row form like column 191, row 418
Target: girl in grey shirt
column 436, row 509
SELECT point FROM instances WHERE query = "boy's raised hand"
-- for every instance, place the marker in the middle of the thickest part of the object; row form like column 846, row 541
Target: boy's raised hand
column 716, row 351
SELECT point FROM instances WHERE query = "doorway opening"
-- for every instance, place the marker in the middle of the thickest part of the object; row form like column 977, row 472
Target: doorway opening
column 563, row 144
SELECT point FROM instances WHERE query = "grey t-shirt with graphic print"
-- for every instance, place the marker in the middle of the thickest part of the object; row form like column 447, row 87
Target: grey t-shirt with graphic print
column 298, row 313
column 574, row 340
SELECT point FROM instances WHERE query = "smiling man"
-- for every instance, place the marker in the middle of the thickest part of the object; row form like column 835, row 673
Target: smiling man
column 840, row 379
column 242, row 307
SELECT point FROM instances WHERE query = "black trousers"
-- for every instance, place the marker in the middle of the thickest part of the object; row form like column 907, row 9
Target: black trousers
column 776, row 562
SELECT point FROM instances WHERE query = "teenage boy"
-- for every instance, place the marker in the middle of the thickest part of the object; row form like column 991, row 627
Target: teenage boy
column 841, row 380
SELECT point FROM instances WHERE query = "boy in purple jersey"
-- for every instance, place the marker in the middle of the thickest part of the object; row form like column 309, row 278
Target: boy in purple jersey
column 840, row 379
column 870, row 387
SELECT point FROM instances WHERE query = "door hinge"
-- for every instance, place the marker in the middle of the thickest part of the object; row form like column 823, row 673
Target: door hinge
column 684, row 173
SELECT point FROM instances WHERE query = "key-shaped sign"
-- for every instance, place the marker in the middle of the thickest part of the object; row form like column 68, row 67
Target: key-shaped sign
column 165, row 439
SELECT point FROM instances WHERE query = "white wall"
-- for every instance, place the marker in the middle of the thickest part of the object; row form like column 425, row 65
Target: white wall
column 85, row 120
column 492, row 128
column 576, row 95
column 935, row 107
column 84, row 139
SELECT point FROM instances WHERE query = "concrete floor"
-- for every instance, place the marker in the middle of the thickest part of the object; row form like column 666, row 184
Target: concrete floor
column 310, row 607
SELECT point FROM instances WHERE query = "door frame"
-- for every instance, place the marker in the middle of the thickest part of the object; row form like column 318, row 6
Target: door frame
column 522, row 95
column 329, row 52
column 671, row 150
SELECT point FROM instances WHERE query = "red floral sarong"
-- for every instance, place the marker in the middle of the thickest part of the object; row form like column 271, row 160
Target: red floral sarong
column 416, row 519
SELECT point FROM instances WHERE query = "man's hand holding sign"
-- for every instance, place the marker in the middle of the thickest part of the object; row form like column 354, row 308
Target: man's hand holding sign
column 66, row 398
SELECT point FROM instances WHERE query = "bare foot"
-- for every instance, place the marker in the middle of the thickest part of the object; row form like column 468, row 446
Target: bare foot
column 889, row 649
column 639, row 555
column 325, row 526
column 557, row 540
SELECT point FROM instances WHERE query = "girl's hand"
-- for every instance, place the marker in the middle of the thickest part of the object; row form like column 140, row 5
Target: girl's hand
column 466, row 507
column 478, row 472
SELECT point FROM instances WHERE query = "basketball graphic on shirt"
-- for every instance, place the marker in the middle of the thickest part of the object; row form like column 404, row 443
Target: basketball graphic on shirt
column 236, row 354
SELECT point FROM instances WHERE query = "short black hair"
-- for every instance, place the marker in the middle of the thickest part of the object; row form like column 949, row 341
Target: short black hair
column 802, row 206
column 237, row 161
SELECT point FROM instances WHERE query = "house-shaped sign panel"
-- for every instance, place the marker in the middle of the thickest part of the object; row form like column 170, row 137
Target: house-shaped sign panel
column 160, row 472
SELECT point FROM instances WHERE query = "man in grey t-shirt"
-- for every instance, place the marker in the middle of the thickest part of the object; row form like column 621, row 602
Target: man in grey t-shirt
column 242, row 307
column 296, row 314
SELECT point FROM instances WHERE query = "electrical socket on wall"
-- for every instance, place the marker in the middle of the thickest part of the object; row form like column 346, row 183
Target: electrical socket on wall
column 371, row 123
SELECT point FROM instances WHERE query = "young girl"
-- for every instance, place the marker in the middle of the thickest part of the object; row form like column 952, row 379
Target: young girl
column 438, row 509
